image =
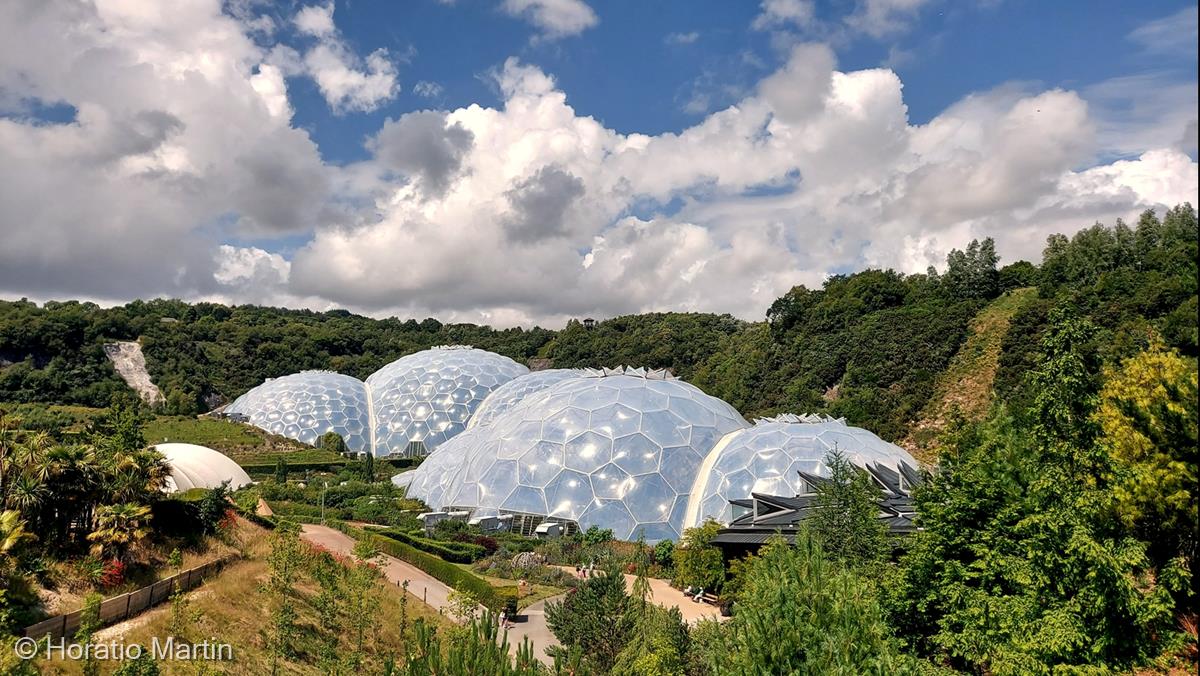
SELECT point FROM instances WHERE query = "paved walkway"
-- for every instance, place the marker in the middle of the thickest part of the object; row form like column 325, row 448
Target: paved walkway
column 662, row 593
column 420, row 584
column 532, row 623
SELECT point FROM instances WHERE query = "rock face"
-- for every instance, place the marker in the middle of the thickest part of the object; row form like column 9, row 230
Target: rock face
column 130, row 363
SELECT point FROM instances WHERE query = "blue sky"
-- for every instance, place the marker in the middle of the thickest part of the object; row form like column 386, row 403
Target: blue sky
column 634, row 71
column 527, row 161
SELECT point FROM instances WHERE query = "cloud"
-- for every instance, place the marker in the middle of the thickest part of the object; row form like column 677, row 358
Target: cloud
column 428, row 90
column 536, row 224
column 182, row 173
column 1147, row 110
column 348, row 82
column 316, row 20
column 1174, row 34
column 181, row 134
column 775, row 13
column 423, row 146
column 540, row 203
column 880, row 18
column 555, row 18
column 681, row 38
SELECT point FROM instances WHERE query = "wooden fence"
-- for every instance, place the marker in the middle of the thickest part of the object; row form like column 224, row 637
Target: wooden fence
column 125, row 606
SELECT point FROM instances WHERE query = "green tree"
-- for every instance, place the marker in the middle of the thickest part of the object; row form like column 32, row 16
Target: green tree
column 596, row 535
column 213, row 506
column 593, row 618
column 845, row 515
column 89, row 622
column 698, row 563
column 332, row 441
column 800, row 613
column 972, row 273
column 284, row 562
column 1020, row 566
column 1148, row 423
column 281, row 471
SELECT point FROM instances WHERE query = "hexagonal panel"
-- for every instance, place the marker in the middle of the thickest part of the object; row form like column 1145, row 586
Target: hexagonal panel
column 429, row 396
column 286, row 406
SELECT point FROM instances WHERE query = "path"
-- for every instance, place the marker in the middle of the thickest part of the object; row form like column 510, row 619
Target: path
column 667, row 596
column 531, row 624
column 420, row 584
column 263, row 509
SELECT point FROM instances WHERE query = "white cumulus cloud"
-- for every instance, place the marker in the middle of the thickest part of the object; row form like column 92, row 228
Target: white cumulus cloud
column 348, row 83
column 555, row 18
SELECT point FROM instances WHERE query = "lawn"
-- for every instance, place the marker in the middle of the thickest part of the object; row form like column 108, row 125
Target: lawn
column 537, row 591
column 245, row 444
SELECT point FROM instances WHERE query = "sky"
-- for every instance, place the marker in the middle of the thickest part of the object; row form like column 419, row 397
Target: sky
column 520, row 162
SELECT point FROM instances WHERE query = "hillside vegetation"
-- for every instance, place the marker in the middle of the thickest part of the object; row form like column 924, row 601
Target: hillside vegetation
column 965, row 388
column 877, row 347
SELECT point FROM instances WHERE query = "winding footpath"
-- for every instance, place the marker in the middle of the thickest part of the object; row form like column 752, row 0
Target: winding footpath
column 530, row 624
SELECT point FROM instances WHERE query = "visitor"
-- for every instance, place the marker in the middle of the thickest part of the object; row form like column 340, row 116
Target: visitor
column 503, row 620
column 578, row 570
column 699, row 595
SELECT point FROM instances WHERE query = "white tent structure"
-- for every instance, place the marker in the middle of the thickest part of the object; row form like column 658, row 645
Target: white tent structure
column 195, row 466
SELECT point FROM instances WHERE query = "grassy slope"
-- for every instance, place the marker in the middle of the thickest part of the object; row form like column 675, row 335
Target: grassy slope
column 243, row 443
column 233, row 608
column 966, row 384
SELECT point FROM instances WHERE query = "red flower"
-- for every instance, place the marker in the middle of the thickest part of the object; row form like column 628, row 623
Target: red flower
column 113, row 574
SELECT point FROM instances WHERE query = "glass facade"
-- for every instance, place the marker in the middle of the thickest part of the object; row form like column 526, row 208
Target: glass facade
column 514, row 392
column 767, row 457
column 423, row 399
column 305, row 405
column 616, row 449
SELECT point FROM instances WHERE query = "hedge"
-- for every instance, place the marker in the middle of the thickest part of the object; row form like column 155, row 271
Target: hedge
column 448, row 573
column 329, row 465
column 454, row 552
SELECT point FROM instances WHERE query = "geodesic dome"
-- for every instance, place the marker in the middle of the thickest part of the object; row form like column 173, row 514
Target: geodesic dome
column 305, row 405
column 514, row 392
column 195, row 466
column 423, row 399
column 768, row 457
column 617, row 449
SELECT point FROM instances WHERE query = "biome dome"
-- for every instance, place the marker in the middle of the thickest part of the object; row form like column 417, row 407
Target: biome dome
column 305, row 405
column 616, row 448
column 423, row 399
column 516, row 390
column 768, row 457
column 408, row 407
column 195, row 466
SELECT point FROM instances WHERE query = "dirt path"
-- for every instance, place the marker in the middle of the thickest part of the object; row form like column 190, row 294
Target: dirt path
column 263, row 508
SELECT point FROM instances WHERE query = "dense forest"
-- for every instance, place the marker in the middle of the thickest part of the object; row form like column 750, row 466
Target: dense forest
column 867, row 346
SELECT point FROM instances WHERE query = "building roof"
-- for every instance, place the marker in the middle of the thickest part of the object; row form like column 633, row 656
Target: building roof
column 769, row 515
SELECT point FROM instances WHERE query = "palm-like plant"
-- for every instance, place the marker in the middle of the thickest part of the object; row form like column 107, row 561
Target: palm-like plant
column 32, row 448
column 12, row 532
column 119, row 528
column 26, row 493
column 10, row 426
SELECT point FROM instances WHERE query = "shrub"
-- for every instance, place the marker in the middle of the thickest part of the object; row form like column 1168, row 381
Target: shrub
column 112, row 574
column 448, row 573
column 454, row 552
